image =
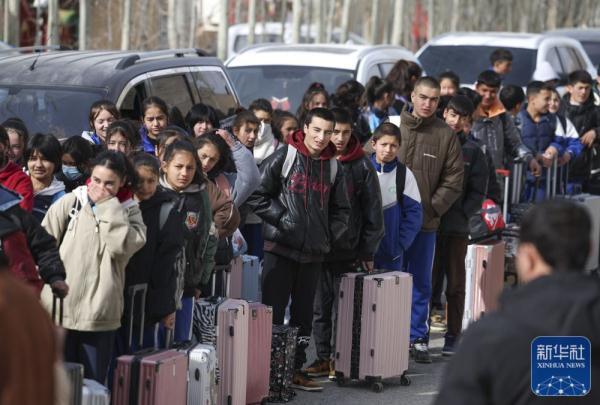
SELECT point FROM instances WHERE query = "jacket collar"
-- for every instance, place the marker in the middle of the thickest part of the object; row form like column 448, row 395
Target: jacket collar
column 385, row 168
column 354, row 151
column 192, row 188
column 496, row 109
column 297, row 141
column 55, row 187
column 414, row 122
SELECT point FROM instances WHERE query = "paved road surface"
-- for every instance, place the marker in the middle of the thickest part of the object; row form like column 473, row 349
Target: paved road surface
column 425, row 379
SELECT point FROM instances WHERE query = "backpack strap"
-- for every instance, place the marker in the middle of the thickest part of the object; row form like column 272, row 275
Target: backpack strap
column 290, row 157
column 165, row 210
column 400, row 183
column 73, row 212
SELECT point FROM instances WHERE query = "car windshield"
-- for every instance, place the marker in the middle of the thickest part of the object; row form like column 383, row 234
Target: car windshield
column 284, row 86
column 468, row 61
column 62, row 112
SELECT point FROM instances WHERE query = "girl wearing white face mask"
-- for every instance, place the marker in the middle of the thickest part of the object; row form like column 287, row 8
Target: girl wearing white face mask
column 265, row 143
column 76, row 156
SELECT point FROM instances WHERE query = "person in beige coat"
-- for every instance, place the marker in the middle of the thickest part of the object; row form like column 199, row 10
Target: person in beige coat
column 98, row 227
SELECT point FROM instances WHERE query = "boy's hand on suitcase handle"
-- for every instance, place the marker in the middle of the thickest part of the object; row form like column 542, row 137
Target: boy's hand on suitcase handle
column 169, row 321
column 535, row 168
column 367, row 266
column 60, row 288
column 549, row 156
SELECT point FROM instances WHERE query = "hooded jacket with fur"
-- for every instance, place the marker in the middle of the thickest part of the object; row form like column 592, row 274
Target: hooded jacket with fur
column 303, row 213
column 14, row 178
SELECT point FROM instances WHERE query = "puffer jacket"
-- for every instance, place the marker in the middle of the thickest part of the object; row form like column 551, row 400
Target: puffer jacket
column 497, row 131
column 432, row 152
column 97, row 243
column 304, row 212
column 456, row 220
column 584, row 117
column 193, row 206
column 365, row 226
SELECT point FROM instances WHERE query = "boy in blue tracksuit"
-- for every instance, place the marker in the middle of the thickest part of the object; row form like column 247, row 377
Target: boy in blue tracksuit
column 547, row 138
column 402, row 211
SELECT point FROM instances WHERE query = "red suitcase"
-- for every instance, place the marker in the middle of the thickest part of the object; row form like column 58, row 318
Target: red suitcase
column 484, row 266
column 373, row 327
column 163, row 379
column 260, row 330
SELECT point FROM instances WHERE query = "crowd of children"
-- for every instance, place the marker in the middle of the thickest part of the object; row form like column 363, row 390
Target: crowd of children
column 381, row 177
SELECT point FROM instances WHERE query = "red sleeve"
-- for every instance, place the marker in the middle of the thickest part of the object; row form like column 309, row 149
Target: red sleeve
column 23, row 186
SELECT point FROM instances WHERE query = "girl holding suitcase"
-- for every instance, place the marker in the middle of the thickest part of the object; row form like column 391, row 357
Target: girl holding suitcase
column 99, row 227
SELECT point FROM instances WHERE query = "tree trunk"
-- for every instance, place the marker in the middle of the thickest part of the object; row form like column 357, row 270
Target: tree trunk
column 455, row 15
column 430, row 18
column 251, row 21
column 52, row 30
column 297, row 15
column 83, row 17
column 222, row 35
column 126, row 25
column 397, row 23
column 193, row 24
column 345, row 20
column 374, row 21
column 330, row 16
column 12, row 26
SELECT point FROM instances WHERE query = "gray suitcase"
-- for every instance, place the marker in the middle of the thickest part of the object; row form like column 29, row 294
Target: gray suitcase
column 75, row 375
column 202, row 375
column 94, row 393
column 251, row 271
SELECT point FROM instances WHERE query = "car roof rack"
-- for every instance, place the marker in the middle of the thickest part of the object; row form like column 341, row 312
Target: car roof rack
column 130, row 60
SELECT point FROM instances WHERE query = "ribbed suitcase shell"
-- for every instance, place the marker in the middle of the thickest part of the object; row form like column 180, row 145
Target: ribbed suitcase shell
column 126, row 377
column 232, row 351
column 484, row 266
column 251, row 278
column 163, row 379
column 202, row 377
column 373, row 342
column 94, row 393
column 75, row 374
column 260, row 332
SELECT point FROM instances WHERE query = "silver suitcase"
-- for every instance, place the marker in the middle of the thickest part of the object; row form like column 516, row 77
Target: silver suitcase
column 251, row 272
column 202, row 369
column 94, row 393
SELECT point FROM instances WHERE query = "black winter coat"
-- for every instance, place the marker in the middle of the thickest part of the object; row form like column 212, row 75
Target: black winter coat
column 365, row 227
column 584, row 118
column 456, row 220
column 302, row 213
column 492, row 364
column 154, row 263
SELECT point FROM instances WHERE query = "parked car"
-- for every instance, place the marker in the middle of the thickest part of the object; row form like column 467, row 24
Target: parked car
column 270, row 32
column 468, row 54
column 589, row 38
column 282, row 73
column 52, row 91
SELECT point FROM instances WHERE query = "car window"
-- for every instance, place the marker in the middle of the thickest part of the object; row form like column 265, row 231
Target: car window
column 373, row 71
column 569, row 61
column 467, row 61
column 386, row 67
column 63, row 112
column 577, row 56
column 131, row 107
column 174, row 90
column 553, row 59
column 592, row 48
column 215, row 91
column 284, row 86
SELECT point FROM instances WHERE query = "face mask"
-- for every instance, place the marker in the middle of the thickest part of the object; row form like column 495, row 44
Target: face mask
column 71, row 172
column 264, row 131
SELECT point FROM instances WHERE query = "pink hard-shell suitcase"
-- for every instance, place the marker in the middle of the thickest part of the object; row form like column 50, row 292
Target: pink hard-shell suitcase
column 260, row 329
column 373, row 327
column 163, row 379
column 232, row 351
column 484, row 266
column 235, row 278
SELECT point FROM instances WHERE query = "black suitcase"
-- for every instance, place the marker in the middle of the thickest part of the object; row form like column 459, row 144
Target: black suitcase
column 283, row 353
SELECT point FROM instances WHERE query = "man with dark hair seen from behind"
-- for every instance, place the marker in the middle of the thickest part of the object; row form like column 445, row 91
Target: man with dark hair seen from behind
column 433, row 153
column 493, row 362
column 501, row 61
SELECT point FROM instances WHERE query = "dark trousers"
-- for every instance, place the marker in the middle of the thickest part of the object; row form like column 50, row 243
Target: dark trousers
column 450, row 261
column 92, row 349
column 325, row 307
column 283, row 278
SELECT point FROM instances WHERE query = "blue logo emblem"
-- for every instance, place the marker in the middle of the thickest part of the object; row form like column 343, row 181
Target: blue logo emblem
column 561, row 366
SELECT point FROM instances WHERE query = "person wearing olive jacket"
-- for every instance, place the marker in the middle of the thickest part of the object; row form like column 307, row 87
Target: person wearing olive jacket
column 432, row 152
column 303, row 202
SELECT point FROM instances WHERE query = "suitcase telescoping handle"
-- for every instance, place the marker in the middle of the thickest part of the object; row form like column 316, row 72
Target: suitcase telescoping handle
column 551, row 179
column 506, row 174
column 225, row 269
column 134, row 290
column 60, row 310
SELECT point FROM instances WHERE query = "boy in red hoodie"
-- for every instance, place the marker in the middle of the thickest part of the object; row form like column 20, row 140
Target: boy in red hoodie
column 303, row 202
column 12, row 176
column 358, row 245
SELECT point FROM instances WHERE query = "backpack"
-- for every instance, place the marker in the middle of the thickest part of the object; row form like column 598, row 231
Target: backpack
column 290, row 157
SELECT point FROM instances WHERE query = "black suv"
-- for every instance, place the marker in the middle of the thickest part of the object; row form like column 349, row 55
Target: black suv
column 53, row 91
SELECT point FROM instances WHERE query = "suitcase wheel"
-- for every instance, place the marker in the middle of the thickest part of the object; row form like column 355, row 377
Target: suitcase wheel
column 404, row 380
column 341, row 381
column 377, row 387
column 264, row 401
